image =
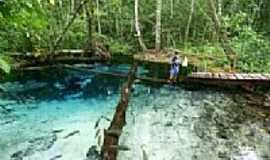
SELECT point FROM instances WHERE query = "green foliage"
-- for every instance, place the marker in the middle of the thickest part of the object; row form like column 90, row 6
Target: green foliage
column 34, row 25
column 252, row 48
column 253, row 51
column 118, row 48
column 4, row 65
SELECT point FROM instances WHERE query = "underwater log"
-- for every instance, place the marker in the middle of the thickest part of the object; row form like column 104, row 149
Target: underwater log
column 119, row 120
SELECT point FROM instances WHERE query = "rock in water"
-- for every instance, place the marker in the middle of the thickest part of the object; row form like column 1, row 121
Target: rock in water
column 93, row 154
column 222, row 134
column 17, row 155
column 35, row 145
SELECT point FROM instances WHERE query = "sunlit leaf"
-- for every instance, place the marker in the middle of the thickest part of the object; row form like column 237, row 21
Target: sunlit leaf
column 4, row 66
column 52, row 2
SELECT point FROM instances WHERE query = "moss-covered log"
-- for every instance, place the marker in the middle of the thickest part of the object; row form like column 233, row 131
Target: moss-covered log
column 22, row 60
column 109, row 149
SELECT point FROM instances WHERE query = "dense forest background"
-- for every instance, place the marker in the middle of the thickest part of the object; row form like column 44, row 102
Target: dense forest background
column 226, row 32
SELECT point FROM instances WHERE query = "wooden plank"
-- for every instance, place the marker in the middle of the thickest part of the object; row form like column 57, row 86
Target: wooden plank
column 227, row 75
column 231, row 76
column 262, row 77
column 201, row 75
column 215, row 76
column 267, row 76
column 194, row 75
column 235, row 78
column 249, row 77
column 222, row 76
column 245, row 76
column 208, row 75
column 256, row 76
column 238, row 76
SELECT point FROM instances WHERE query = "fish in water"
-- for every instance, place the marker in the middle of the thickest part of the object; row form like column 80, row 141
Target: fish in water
column 56, row 157
column 97, row 123
column 145, row 156
column 97, row 133
column 72, row 134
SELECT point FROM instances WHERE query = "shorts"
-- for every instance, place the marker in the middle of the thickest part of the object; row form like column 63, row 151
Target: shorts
column 174, row 72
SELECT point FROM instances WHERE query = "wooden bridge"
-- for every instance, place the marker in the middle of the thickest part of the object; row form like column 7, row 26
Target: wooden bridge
column 230, row 76
column 246, row 81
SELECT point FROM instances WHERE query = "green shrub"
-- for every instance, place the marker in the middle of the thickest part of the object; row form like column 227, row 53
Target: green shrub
column 118, row 48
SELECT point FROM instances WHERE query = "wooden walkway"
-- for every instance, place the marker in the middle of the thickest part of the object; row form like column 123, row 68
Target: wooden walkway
column 246, row 81
column 230, row 76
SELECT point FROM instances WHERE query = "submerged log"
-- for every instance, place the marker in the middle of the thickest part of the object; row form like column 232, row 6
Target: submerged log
column 119, row 120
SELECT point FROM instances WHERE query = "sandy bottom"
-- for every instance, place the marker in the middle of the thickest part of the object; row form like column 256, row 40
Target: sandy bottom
column 55, row 129
column 169, row 123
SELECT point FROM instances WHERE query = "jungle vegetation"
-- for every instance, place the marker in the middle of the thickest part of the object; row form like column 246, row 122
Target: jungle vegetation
column 234, row 33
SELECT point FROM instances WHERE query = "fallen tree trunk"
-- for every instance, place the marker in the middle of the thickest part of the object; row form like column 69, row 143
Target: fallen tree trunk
column 22, row 61
column 109, row 148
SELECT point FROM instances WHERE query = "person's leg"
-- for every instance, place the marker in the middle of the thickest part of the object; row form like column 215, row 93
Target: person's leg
column 171, row 75
column 175, row 74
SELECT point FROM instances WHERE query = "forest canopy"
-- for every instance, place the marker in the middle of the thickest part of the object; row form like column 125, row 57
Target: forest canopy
column 234, row 32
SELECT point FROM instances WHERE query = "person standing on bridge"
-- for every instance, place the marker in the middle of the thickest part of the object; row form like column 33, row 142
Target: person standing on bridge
column 175, row 67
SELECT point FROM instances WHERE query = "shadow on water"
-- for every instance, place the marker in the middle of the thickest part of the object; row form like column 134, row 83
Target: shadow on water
column 57, row 84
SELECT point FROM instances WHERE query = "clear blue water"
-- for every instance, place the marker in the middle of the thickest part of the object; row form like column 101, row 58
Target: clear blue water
column 58, row 114
column 172, row 123
column 39, row 111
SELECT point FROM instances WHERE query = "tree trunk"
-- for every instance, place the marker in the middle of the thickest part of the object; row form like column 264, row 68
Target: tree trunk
column 98, row 17
column 219, row 7
column 158, row 25
column 172, row 9
column 189, row 22
column 89, row 44
column 137, row 26
column 222, row 36
column 110, row 145
column 60, row 38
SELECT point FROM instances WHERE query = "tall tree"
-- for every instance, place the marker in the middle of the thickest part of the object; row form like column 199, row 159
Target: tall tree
column 98, row 17
column 189, row 21
column 137, row 26
column 74, row 16
column 158, row 25
column 219, row 7
column 172, row 8
column 89, row 26
column 222, row 35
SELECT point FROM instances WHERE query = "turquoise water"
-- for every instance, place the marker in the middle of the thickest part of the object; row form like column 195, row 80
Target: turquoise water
column 171, row 123
column 58, row 114
column 52, row 114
